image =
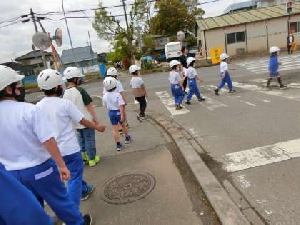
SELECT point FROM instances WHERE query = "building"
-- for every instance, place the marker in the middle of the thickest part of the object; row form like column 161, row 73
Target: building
column 250, row 31
column 268, row 3
column 34, row 60
column 84, row 57
column 21, row 69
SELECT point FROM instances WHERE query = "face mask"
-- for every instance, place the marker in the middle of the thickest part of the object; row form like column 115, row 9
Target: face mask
column 21, row 96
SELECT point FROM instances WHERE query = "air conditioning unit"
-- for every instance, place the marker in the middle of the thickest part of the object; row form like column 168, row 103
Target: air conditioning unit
column 240, row 51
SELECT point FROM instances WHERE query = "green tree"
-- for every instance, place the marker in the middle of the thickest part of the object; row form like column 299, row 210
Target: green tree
column 174, row 15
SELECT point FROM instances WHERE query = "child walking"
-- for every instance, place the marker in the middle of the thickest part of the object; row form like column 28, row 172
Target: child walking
column 192, row 77
column 176, row 84
column 62, row 113
column 84, row 102
column 138, row 90
column 274, row 66
column 29, row 152
column 115, row 104
column 224, row 74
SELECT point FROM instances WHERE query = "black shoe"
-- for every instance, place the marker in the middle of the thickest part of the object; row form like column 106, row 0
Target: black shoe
column 201, row 99
column 87, row 218
column 283, row 86
column 231, row 91
column 217, row 91
column 187, row 102
column 87, row 193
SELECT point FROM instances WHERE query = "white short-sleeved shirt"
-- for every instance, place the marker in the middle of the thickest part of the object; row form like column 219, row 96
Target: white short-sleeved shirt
column 119, row 88
column 24, row 129
column 112, row 100
column 191, row 72
column 174, row 77
column 184, row 71
column 223, row 67
column 73, row 94
column 136, row 82
column 62, row 113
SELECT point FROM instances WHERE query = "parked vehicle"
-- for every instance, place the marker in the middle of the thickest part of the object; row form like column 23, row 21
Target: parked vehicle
column 173, row 50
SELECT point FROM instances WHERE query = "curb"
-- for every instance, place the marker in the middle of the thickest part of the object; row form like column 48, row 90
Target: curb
column 226, row 210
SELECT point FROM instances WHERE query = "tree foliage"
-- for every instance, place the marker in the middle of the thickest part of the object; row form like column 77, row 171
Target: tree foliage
column 174, row 15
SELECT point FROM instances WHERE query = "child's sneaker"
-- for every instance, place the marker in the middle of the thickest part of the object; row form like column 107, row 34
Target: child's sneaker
column 97, row 158
column 92, row 163
column 87, row 219
column 216, row 91
column 128, row 139
column 119, row 147
column 85, row 158
column 188, row 102
column 87, row 192
column 231, row 91
column 201, row 99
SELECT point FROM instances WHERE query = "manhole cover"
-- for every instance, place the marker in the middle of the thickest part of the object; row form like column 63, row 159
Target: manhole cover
column 128, row 187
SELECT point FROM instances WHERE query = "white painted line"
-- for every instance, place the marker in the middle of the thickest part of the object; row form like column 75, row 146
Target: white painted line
column 97, row 96
column 168, row 102
column 260, row 156
column 212, row 104
column 249, row 103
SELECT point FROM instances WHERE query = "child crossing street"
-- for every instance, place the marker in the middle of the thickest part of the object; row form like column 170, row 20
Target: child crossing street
column 84, row 103
column 192, row 81
column 224, row 74
column 274, row 66
column 61, row 113
column 176, row 84
column 138, row 90
column 115, row 104
column 30, row 153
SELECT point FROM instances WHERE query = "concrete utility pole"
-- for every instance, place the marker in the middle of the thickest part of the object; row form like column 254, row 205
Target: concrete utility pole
column 129, row 33
column 36, row 30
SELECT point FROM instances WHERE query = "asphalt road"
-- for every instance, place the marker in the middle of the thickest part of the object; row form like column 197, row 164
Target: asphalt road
column 247, row 134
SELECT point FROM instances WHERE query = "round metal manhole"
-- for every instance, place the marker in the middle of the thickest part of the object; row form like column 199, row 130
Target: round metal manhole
column 128, row 187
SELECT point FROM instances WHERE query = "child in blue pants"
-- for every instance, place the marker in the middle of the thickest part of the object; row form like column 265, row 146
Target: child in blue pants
column 176, row 84
column 192, row 81
column 225, row 76
column 274, row 66
column 18, row 205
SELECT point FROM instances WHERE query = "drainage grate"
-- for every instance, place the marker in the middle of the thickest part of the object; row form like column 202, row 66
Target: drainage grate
column 128, row 187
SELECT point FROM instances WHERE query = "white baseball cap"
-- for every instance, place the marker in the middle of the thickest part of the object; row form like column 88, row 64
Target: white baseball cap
column 8, row 76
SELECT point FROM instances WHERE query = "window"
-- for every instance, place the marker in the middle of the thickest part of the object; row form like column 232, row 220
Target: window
column 236, row 37
column 294, row 27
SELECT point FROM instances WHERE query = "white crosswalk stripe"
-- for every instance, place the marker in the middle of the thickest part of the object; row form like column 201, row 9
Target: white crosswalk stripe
column 289, row 62
column 260, row 156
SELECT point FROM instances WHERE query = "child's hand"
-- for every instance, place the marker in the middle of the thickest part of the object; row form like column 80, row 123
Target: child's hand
column 200, row 80
column 65, row 174
column 100, row 128
column 122, row 120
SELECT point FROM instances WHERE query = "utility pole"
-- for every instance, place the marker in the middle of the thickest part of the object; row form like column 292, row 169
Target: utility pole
column 129, row 33
column 36, row 30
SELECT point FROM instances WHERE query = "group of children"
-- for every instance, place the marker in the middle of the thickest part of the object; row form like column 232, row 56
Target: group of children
column 41, row 149
column 179, row 74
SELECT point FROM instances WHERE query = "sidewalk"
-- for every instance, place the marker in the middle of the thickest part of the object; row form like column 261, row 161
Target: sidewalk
column 169, row 201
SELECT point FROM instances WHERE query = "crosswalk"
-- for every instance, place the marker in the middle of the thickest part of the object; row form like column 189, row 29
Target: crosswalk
column 216, row 103
column 260, row 66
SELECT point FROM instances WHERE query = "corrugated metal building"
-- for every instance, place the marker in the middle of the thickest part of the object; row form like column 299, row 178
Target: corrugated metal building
column 250, row 31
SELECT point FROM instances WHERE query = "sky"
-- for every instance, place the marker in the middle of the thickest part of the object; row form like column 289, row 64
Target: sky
column 15, row 40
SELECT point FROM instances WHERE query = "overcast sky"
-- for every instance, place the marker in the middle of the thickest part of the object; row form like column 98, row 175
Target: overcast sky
column 15, row 40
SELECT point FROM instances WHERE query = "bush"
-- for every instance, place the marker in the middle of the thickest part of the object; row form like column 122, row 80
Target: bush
column 147, row 65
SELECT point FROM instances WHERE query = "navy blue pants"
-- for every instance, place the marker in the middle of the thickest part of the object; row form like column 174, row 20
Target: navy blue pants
column 18, row 205
column 225, row 80
column 177, row 93
column 44, row 181
column 194, row 90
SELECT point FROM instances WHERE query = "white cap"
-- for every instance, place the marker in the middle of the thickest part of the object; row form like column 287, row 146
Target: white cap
column 224, row 56
column 109, row 83
column 274, row 49
column 48, row 79
column 174, row 63
column 8, row 76
column 189, row 60
column 112, row 71
column 71, row 72
column 133, row 68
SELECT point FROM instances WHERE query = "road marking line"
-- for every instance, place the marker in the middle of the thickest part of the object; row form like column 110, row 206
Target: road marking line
column 261, row 156
column 168, row 102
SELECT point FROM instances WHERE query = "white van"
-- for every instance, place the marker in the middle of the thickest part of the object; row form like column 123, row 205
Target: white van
column 173, row 50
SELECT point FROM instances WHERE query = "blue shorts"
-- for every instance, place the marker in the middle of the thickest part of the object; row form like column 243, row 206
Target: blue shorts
column 114, row 116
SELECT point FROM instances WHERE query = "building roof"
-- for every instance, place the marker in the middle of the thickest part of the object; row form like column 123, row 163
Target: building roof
column 249, row 16
column 31, row 55
column 81, row 54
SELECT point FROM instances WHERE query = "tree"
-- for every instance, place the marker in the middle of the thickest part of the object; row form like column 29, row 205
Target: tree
column 110, row 28
column 174, row 15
